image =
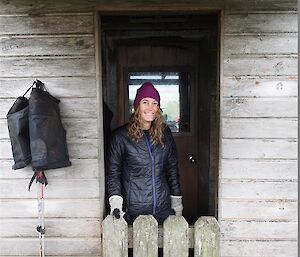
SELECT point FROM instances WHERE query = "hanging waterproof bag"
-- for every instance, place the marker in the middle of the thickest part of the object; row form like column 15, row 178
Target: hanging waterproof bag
column 17, row 121
column 47, row 135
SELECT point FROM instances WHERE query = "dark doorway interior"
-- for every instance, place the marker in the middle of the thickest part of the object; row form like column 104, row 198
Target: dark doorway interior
column 179, row 55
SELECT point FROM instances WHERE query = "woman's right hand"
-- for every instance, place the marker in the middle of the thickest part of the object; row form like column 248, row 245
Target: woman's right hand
column 116, row 204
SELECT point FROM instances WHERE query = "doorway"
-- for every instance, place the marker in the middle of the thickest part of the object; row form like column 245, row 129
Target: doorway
column 178, row 54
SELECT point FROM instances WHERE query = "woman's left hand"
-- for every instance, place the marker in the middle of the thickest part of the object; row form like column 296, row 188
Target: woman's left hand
column 176, row 204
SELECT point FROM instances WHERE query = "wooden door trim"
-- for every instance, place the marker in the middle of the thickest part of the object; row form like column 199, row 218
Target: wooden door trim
column 143, row 8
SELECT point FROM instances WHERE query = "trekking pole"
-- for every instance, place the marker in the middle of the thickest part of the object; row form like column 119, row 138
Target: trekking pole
column 41, row 178
column 41, row 227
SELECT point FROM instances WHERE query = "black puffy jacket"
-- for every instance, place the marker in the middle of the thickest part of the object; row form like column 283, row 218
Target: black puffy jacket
column 144, row 174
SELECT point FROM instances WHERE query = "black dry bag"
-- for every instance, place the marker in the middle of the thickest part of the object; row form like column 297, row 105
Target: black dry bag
column 17, row 121
column 47, row 135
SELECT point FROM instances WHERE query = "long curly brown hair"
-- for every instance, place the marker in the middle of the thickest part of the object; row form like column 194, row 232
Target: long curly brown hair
column 135, row 130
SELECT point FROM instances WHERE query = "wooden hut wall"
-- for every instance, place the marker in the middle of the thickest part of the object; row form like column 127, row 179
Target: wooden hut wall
column 54, row 41
column 258, row 165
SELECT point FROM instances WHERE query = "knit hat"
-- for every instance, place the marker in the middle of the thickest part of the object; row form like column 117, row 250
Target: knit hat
column 146, row 90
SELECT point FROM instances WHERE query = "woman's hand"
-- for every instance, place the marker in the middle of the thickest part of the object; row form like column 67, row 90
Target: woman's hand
column 176, row 204
column 116, row 204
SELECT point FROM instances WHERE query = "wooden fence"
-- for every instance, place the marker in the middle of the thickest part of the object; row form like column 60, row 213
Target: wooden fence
column 175, row 237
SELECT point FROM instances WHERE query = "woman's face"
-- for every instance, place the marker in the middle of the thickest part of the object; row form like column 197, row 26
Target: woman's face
column 148, row 110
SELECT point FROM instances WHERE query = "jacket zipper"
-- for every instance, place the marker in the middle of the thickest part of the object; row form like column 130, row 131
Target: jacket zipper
column 153, row 175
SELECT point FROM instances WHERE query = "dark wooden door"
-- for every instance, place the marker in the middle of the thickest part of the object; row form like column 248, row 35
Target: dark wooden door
column 174, row 68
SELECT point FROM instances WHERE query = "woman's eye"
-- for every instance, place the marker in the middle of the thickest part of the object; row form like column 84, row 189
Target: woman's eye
column 155, row 103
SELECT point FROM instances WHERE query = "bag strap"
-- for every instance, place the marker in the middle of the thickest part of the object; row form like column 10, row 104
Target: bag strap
column 29, row 88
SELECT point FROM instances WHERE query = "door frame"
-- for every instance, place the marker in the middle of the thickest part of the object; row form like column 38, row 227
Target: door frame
column 152, row 9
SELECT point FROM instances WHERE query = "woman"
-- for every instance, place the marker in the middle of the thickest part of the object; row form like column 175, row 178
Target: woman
column 142, row 170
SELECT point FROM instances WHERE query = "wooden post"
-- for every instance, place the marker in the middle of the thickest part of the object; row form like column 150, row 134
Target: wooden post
column 176, row 237
column 207, row 237
column 115, row 237
column 145, row 237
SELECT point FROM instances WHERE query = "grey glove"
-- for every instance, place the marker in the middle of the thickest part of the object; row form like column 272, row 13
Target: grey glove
column 176, row 204
column 116, row 204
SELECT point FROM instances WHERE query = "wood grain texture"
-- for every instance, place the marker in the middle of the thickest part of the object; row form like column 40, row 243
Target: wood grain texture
column 262, row 190
column 69, row 228
column 175, row 237
column 43, row 24
column 260, row 87
column 259, row 248
column 51, row 66
column 115, row 237
column 263, row 230
column 53, row 246
column 260, row 22
column 80, row 169
column 57, row 188
column 260, row 5
column 260, row 128
column 260, row 66
column 67, row 87
column 207, row 237
column 47, row 45
column 54, row 208
column 261, row 44
column 238, row 107
column 259, row 169
column 145, row 236
column 259, row 148
column 259, row 210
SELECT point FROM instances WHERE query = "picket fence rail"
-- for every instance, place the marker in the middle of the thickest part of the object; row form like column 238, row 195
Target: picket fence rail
column 175, row 237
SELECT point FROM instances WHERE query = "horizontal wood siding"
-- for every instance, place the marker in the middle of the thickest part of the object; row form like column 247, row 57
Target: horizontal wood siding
column 259, row 117
column 58, row 47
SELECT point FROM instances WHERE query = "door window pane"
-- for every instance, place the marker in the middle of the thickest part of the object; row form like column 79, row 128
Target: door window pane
column 173, row 90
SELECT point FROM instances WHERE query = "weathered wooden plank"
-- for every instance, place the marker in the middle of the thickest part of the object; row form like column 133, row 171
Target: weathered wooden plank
column 175, row 237
column 260, row 23
column 76, row 128
column 79, row 227
column 58, row 188
column 47, row 24
column 37, row 45
column 53, row 246
column 115, row 237
column 260, row 128
column 51, row 66
column 69, row 107
column 145, row 236
column 78, row 149
column 54, row 208
column 259, row 169
column 58, row 87
column 266, row 210
column 160, row 236
column 259, row 248
column 261, row 44
column 260, row 66
column 207, row 237
column 33, row 7
column 261, row 5
column 259, row 230
column 80, row 169
column 260, row 107
column 259, row 190
column 259, row 87
column 260, row 148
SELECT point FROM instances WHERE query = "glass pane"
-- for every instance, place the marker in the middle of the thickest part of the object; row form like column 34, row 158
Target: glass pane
column 173, row 90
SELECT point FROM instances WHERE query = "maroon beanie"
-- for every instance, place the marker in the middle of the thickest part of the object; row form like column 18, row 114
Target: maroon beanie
column 146, row 90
